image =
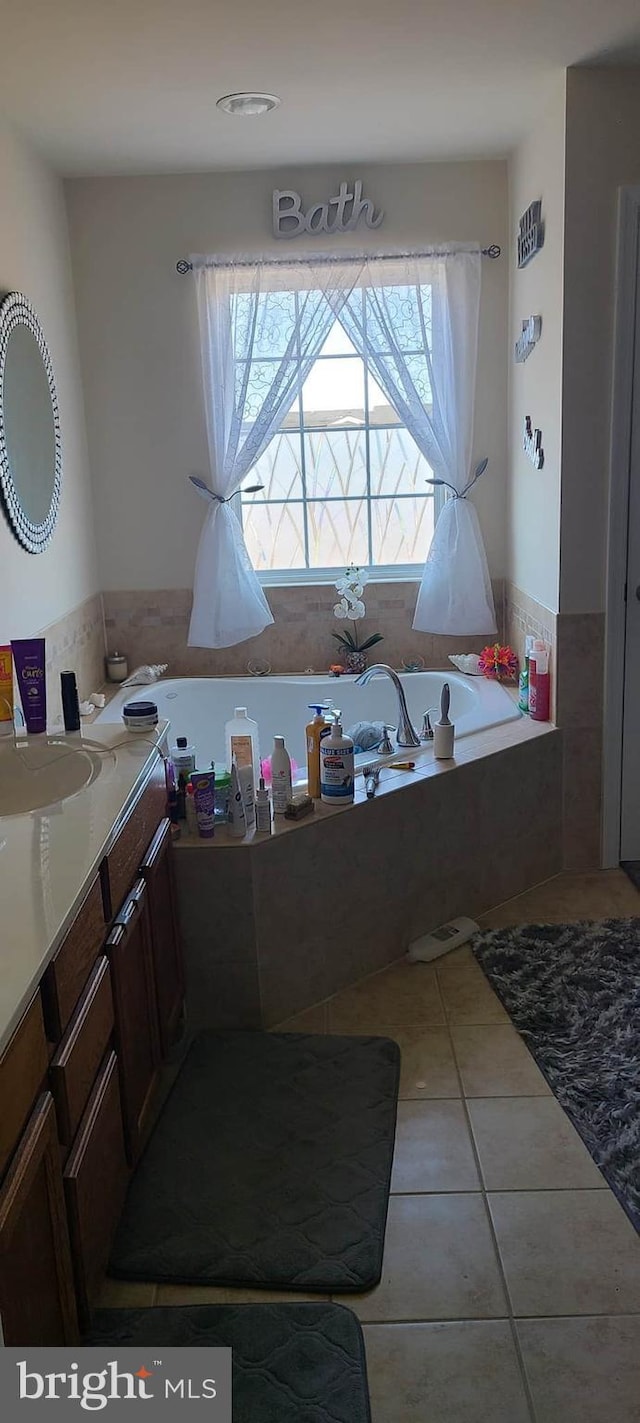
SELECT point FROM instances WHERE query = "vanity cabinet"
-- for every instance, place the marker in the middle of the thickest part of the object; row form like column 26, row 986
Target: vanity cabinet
column 137, row 1038
column 37, row 1298
column 78, row 1078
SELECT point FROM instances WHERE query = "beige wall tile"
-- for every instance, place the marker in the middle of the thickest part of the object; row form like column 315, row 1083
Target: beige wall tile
column 75, row 643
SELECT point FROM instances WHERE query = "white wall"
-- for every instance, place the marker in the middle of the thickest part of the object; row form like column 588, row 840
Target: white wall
column 36, row 590
column 536, row 170
column 603, row 153
column 138, row 333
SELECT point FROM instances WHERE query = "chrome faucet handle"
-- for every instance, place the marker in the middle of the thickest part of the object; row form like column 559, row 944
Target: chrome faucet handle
column 427, row 730
column 385, row 748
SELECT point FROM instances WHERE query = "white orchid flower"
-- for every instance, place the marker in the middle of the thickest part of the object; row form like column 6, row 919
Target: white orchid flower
column 358, row 609
column 341, row 609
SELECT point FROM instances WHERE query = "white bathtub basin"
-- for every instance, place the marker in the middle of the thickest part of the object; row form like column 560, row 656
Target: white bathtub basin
column 198, row 707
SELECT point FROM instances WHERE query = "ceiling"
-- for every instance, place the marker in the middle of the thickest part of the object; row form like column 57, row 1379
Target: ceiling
column 129, row 86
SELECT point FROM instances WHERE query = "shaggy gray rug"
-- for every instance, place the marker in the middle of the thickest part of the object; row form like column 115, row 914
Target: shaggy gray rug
column 573, row 993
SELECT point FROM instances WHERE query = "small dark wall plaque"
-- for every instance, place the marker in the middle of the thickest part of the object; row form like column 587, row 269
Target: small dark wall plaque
column 530, row 233
column 532, row 443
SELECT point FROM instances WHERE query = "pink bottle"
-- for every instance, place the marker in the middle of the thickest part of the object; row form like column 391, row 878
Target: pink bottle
column 539, row 682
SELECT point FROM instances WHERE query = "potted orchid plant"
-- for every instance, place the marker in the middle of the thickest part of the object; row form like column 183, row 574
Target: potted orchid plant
column 351, row 606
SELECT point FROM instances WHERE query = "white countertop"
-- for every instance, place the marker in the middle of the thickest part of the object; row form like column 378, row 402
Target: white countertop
column 48, row 859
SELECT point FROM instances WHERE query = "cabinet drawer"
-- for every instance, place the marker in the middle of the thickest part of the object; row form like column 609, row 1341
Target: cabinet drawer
column 67, row 973
column 81, row 1051
column 95, row 1182
column 120, row 868
column 23, row 1069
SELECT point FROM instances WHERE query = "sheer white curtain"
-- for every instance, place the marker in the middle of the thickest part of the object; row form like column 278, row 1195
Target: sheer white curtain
column 417, row 319
column 261, row 327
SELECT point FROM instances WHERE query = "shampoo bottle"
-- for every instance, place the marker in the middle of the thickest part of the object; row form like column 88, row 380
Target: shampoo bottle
column 280, row 776
column 241, row 734
column 539, row 682
column 336, row 767
column 315, row 731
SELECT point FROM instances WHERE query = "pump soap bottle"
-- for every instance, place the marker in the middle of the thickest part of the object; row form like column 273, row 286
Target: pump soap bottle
column 315, row 730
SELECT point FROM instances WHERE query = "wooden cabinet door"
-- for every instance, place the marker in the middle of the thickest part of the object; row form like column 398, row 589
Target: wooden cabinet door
column 157, row 871
column 95, row 1182
column 37, row 1300
column 129, row 951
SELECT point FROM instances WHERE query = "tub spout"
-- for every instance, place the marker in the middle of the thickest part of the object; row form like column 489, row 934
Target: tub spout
column 406, row 734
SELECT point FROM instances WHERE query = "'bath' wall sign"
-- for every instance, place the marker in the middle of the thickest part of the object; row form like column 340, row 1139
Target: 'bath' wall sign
column 530, row 233
column 342, row 213
column 528, row 336
column 532, row 443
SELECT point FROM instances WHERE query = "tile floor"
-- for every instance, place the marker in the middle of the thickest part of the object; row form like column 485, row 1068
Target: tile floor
column 511, row 1280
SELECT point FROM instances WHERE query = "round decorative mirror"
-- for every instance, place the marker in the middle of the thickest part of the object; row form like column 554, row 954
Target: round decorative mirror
column 30, row 448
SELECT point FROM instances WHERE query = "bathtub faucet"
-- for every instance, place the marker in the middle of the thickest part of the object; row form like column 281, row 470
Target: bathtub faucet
column 406, row 734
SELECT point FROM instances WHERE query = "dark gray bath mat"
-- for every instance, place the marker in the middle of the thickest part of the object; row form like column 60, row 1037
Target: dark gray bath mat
column 270, row 1166
column 573, row 992
column 292, row 1363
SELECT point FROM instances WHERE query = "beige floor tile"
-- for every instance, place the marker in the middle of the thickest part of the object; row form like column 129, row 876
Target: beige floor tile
column 567, row 1252
column 583, row 1370
column 191, row 1294
column 428, row 1066
column 593, row 894
column 212, row 1294
column 467, row 996
column 312, row 1020
column 126, row 1294
column 457, row 958
column 529, row 1144
column 404, row 993
column 494, row 1062
column 461, row 1372
column 439, row 1263
column 433, row 1149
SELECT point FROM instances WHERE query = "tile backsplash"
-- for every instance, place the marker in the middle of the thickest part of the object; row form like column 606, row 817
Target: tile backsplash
column 152, row 626
column 76, row 643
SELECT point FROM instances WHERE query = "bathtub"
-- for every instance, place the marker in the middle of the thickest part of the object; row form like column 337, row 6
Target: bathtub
column 198, row 707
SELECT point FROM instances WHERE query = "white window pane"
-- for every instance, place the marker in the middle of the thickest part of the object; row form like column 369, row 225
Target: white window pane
column 337, row 533
column 257, row 380
column 291, row 421
column 397, row 466
column 278, row 469
column 401, row 529
column 274, row 535
column 335, row 463
column 333, row 393
column 338, row 343
column 381, row 411
column 264, row 327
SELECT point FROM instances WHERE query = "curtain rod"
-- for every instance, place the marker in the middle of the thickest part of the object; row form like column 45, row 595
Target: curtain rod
column 183, row 265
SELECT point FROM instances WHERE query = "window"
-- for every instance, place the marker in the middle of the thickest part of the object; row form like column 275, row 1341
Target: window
column 344, row 482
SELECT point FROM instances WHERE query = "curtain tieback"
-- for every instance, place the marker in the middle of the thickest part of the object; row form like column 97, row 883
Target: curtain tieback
column 462, row 493
column 207, row 493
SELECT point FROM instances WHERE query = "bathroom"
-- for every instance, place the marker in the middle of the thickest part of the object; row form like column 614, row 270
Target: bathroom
column 308, row 929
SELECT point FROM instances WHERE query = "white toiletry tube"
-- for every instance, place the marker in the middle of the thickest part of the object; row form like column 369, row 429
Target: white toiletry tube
column 245, row 779
column 236, row 806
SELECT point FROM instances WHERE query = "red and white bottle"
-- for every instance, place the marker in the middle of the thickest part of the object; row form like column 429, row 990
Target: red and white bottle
column 539, row 682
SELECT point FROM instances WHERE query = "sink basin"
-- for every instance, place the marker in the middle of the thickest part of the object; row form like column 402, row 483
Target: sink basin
column 42, row 772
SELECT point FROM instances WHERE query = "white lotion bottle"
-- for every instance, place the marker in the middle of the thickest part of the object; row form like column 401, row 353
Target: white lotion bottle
column 241, row 734
column 336, row 767
column 444, row 731
column 281, row 784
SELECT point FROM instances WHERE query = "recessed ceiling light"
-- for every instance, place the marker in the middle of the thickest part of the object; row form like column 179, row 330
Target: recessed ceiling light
column 248, row 105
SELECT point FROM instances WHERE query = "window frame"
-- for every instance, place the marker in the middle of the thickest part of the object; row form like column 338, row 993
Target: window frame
column 275, row 577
